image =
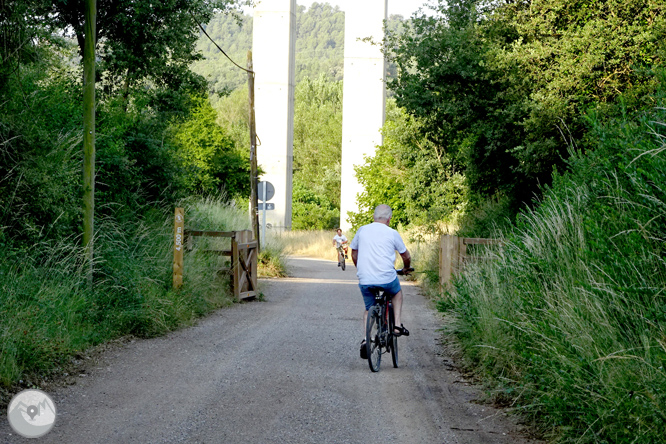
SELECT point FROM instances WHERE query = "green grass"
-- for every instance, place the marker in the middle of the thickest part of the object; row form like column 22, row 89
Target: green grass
column 567, row 322
column 48, row 313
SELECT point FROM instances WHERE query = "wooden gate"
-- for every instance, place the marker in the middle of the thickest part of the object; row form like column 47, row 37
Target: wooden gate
column 453, row 255
column 243, row 263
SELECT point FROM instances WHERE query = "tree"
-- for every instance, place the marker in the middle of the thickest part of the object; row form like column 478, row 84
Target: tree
column 410, row 174
column 143, row 40
column 211, row 161
column 501, row 87
column 312, row 211
column 21, row 25
column 318, row 135
column 318, row 141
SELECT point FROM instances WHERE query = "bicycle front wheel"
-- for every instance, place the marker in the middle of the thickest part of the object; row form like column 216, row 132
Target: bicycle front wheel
column 372, row 344
column 393, row 342
column 342, row 262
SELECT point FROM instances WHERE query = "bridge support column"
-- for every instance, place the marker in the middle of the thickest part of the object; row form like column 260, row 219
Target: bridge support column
column 364, row 96
column 273, row 48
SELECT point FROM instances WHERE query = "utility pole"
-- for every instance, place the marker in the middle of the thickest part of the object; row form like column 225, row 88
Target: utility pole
column 254, row 212
column 89, row 132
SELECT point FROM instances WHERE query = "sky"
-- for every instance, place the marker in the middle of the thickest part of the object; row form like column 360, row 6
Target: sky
column 402, row 7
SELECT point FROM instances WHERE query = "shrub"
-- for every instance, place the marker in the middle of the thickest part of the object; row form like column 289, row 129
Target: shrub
column 569, row 319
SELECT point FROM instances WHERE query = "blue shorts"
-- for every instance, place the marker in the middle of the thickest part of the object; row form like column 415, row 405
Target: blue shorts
column 391, row 288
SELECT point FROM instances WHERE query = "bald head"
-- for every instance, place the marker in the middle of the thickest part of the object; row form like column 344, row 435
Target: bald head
column 383, row 213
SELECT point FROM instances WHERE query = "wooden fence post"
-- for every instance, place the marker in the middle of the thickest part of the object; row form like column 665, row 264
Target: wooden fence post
column 454, row 248
column 453, row 255
column 462, row 253
column 178, row 235
column 446, row 262
column 235, row 265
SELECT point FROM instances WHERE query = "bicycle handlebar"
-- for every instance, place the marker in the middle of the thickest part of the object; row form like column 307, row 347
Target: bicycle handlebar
column 404, row 271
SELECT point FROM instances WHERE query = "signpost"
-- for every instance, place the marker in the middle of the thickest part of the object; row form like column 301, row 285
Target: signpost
column 266, row 192
column 178, row 235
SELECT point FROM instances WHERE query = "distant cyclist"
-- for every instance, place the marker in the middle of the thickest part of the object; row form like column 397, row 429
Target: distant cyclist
column 340, row 240
column 373, row 253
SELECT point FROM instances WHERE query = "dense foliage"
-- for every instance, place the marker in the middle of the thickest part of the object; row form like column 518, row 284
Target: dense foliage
column 211, row 161
column 157, row 142
column 142, row 133
column 317, row 152
column 411, row 174
column 568, row 319
column 500, row 88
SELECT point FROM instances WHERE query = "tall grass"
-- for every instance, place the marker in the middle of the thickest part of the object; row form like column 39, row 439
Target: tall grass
column 48, row 312
column 568, row 321
column 308, row 243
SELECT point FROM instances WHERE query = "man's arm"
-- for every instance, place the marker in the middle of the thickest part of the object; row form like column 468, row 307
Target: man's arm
column 406, row 259
column 355, row 257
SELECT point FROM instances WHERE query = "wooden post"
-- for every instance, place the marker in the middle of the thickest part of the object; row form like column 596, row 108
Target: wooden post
column 455, row 255
column 255, row 258
column 446, row 261
column 254, row 180
column 450, row 263
column 90, row 35
column 235, row 266
column 444, row 271
column 178, row 235
column 462, row 253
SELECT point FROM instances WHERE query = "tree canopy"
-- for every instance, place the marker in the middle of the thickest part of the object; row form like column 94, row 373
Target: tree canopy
column 502, row 88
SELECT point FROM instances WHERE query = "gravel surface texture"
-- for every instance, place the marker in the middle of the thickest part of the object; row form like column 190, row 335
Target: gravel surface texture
column 283, row 370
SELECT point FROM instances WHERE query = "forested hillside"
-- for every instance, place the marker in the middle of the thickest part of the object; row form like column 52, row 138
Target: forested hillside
column 319, row 45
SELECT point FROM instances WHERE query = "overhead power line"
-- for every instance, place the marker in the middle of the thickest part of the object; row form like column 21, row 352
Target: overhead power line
column 218, row 46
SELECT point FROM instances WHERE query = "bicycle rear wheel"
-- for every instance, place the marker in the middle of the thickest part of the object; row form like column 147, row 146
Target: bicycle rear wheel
column 372, row 344
column 393, row 341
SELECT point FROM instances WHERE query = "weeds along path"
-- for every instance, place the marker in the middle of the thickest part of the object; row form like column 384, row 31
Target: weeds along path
column 285, row 370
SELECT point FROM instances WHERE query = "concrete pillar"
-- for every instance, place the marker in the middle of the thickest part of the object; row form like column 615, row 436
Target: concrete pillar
column 273, row 51
column 364, row 96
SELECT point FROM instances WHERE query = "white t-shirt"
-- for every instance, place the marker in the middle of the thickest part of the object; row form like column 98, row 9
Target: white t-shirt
column 376, row 244
column 339, row 239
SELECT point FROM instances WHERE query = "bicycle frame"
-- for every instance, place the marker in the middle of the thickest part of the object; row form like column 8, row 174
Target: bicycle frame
column 383, row 341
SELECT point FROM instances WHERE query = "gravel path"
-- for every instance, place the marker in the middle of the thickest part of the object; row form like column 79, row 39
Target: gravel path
column 285, row 370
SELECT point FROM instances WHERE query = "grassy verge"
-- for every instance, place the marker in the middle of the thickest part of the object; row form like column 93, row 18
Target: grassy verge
column 310, row 243
column 48, row 314
column 567, row 323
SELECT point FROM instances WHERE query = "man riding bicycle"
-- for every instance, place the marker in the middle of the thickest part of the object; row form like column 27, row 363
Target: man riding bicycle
column 340, row 240
column 373, row 253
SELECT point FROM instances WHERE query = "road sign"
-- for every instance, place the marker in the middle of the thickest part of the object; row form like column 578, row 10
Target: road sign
column 270, row 191
column 269, row 206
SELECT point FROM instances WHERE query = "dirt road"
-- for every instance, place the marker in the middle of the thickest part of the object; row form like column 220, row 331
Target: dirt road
column 285, row 370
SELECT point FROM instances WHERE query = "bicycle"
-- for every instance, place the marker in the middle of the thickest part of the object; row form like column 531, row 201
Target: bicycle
column 379, row 331
column 341, row 256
